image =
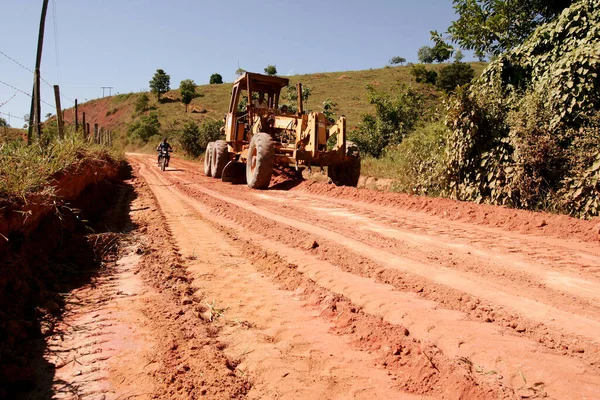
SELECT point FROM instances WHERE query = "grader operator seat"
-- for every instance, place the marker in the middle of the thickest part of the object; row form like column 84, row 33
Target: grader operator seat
column 236, row 124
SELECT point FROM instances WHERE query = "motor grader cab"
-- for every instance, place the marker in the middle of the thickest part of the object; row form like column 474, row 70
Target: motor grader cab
column 262, row 136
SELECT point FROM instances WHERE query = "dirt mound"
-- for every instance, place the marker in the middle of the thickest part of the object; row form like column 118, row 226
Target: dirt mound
column 20, row 216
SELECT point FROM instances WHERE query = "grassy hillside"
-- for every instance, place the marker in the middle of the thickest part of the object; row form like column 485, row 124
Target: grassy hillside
column 9, row 134
column 347, row 89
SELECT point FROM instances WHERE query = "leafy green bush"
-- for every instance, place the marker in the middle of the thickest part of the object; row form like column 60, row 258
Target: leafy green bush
column 422, row 74
column 580, row 189
column 453, row 75
column 525, row 134
column 395, row 117
column 194, row 138
column 417, row 165
column 144, row 128
column 189, row 139
column 141, row 103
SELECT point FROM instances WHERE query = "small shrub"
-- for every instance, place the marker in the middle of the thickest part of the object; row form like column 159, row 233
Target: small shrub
column 189, row 139
column 417, row 164
column 453, row 75
column 141, row 103
column 119, row 98
column 395, row 117
column 194, row 138
column 422, row 74
column 145, row 127
column 112, row 111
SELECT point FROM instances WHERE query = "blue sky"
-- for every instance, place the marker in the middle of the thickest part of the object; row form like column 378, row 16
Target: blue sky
column 121, row 43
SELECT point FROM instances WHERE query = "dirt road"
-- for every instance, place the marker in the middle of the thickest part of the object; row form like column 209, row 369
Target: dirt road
column 311, row 291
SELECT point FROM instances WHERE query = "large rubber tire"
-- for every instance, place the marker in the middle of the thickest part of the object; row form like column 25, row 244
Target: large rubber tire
column 220, row 158
column 207, row 159
column 163, row 163
column 348, row 172
column 259, row 166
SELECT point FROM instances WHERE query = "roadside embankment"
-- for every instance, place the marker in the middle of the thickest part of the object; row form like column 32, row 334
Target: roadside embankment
column 41, row 240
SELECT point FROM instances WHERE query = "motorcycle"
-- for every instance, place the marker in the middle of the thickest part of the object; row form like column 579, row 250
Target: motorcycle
column 163, row 159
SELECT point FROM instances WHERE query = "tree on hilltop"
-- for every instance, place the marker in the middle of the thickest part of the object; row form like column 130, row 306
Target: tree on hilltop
column 271, row 70
column 159, row 84
column 425, row 55
column 397, row 60
column 458, row 56
column 216, row 79
column 187, row 89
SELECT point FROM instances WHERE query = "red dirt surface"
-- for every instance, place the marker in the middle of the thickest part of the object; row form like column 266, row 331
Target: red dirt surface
column 529, row 222
column 307, row 290
column 451, row 299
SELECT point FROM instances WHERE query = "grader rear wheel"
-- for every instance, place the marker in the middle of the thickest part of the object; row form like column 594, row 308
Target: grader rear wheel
column 208, row 159
column 219, row 158
column 259, row 166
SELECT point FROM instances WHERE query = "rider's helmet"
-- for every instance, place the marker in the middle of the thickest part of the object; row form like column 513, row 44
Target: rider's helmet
column 165, row 140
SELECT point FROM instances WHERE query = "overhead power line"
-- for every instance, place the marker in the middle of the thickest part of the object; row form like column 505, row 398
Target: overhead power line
column 15, row 61
column 29, row 70
column 25, row 93
column 13, row 96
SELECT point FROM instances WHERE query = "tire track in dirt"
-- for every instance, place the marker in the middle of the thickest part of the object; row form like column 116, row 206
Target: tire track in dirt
column 547, row 365
column 502, row 271
column 282, row 345
column 101, row 329
column 133, row 332
column 552, row 338
column 575, row 325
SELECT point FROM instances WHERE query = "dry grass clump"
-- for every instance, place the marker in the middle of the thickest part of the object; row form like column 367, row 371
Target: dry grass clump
column 29, row 169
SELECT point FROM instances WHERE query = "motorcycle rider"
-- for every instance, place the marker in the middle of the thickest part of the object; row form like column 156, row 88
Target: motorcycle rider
column 166, row 147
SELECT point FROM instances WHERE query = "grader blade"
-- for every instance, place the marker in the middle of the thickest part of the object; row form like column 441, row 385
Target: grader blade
column 234, row 172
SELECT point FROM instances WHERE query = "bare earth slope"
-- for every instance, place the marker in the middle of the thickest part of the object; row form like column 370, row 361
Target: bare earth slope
column 334, row 293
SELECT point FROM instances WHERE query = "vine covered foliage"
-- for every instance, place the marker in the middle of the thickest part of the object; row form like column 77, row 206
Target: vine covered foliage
column 526, row 133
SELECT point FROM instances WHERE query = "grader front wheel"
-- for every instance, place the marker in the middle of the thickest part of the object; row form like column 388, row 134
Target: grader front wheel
column 259, row 166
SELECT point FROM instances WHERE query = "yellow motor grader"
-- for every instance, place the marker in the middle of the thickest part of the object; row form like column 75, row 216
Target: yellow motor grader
column 263, row 136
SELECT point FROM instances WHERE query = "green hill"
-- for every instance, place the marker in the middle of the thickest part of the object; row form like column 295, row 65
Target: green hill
column 347, row 89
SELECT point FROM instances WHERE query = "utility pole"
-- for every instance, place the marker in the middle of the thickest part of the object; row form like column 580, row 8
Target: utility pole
column 59, row 116
column 35, row 117
column 106, row 87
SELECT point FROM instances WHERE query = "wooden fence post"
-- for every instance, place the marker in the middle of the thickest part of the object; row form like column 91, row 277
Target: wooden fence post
column 85, row 129
column 59, row 115
column 76, row 118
